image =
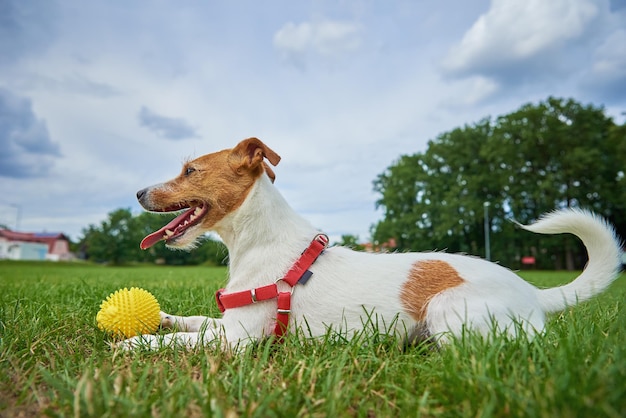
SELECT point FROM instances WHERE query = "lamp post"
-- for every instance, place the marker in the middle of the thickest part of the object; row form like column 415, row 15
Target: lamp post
column 487, row 245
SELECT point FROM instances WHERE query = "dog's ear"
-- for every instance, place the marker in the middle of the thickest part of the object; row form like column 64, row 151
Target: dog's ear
column 269, row 171
column 250, row 154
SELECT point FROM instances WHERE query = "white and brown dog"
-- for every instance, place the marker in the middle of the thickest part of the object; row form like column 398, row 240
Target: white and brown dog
column 277, row 282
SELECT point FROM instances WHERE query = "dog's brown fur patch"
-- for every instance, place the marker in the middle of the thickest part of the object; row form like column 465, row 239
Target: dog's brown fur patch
column 426, row 279
column 221, row 180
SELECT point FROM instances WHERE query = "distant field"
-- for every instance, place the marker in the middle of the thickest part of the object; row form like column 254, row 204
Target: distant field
column 54, row 361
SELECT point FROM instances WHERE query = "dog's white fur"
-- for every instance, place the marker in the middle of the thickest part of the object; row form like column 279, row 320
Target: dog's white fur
column 264, row 236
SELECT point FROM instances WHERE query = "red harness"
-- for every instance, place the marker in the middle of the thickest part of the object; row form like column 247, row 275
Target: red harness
column 298, row 273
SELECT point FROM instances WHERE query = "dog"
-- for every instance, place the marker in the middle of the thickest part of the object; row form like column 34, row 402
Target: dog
column 283, row 277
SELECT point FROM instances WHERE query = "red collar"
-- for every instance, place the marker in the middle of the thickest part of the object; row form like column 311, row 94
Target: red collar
column 298, row 273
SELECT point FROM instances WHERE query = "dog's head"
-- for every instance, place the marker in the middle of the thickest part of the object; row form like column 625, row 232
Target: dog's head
column 207, row 189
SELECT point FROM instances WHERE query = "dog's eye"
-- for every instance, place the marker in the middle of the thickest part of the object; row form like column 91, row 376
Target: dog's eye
column 189, row 170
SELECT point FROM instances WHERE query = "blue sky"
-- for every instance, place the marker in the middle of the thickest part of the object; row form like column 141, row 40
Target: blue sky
column 99, row 99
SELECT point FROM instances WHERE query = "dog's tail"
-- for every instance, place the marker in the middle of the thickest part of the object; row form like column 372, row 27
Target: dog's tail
column 603, row 249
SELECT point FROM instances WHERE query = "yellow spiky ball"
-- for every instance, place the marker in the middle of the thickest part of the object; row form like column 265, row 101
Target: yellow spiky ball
column 127, row 313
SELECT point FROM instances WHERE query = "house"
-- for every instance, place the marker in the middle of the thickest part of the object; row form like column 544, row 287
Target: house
column 34, row 246
column 389, row 245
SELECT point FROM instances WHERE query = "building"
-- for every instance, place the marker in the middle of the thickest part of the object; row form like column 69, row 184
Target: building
column 390, row 245
column 34, row 246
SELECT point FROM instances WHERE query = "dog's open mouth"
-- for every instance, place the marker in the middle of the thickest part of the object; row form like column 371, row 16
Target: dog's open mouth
column 177, row 227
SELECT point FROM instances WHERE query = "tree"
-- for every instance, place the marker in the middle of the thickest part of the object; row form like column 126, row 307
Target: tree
column 559, row 155
column 116, row 241
column 351, row 241
column 113, row 240
column 555, row 154
column 616, row 187
column 434, row 200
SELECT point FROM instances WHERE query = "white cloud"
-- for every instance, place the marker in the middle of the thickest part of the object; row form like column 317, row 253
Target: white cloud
column 26, row 28
column 27, row 150
column 326, row 38
column 75, row 83
column 475, row 90
column 606, row 79
column 518, row 31
column 610, row 60
column 166, row 127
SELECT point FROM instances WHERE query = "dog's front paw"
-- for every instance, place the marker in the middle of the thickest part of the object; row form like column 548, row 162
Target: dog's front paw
column 147, row 341
column 167, row 320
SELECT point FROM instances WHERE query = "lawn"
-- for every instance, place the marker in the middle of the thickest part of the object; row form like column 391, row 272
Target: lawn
column 55, row 362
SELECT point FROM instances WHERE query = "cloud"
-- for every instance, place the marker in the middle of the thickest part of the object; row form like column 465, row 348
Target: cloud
column 166, row 127
column 27, row 150
column 74, row 84
column 607, row 76
column 617, row 5
column 476, row 89
column 518, row 37
column 325, row 38
column 26, row 28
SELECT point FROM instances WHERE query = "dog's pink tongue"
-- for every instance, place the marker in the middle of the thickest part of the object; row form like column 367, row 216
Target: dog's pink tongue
column 152, row 239
column 159, row 235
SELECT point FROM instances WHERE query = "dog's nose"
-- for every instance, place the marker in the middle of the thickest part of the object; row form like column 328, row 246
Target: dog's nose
column 141, row 193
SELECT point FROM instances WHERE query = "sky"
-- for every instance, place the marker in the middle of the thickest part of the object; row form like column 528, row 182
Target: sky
column 101, row 98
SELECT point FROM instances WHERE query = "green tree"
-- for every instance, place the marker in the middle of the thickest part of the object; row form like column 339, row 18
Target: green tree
column 555, row 154
column 116, row 241
column 616, row 187
column 351, row 241
column 434, row 200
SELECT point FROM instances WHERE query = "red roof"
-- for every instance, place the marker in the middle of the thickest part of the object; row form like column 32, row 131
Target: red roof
column 44, row 237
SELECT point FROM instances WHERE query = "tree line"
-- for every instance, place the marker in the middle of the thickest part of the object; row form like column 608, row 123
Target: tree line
column 554, row 154
column 116, row 241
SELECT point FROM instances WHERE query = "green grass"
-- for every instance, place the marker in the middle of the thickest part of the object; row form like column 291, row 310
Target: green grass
column 55, row 362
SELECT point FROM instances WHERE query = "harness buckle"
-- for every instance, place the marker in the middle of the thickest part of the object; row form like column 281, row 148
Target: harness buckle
column 253, row 295
column 291, row 288
column 322, row 239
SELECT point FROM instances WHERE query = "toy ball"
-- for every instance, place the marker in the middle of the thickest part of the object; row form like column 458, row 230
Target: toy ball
column 127, row 313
